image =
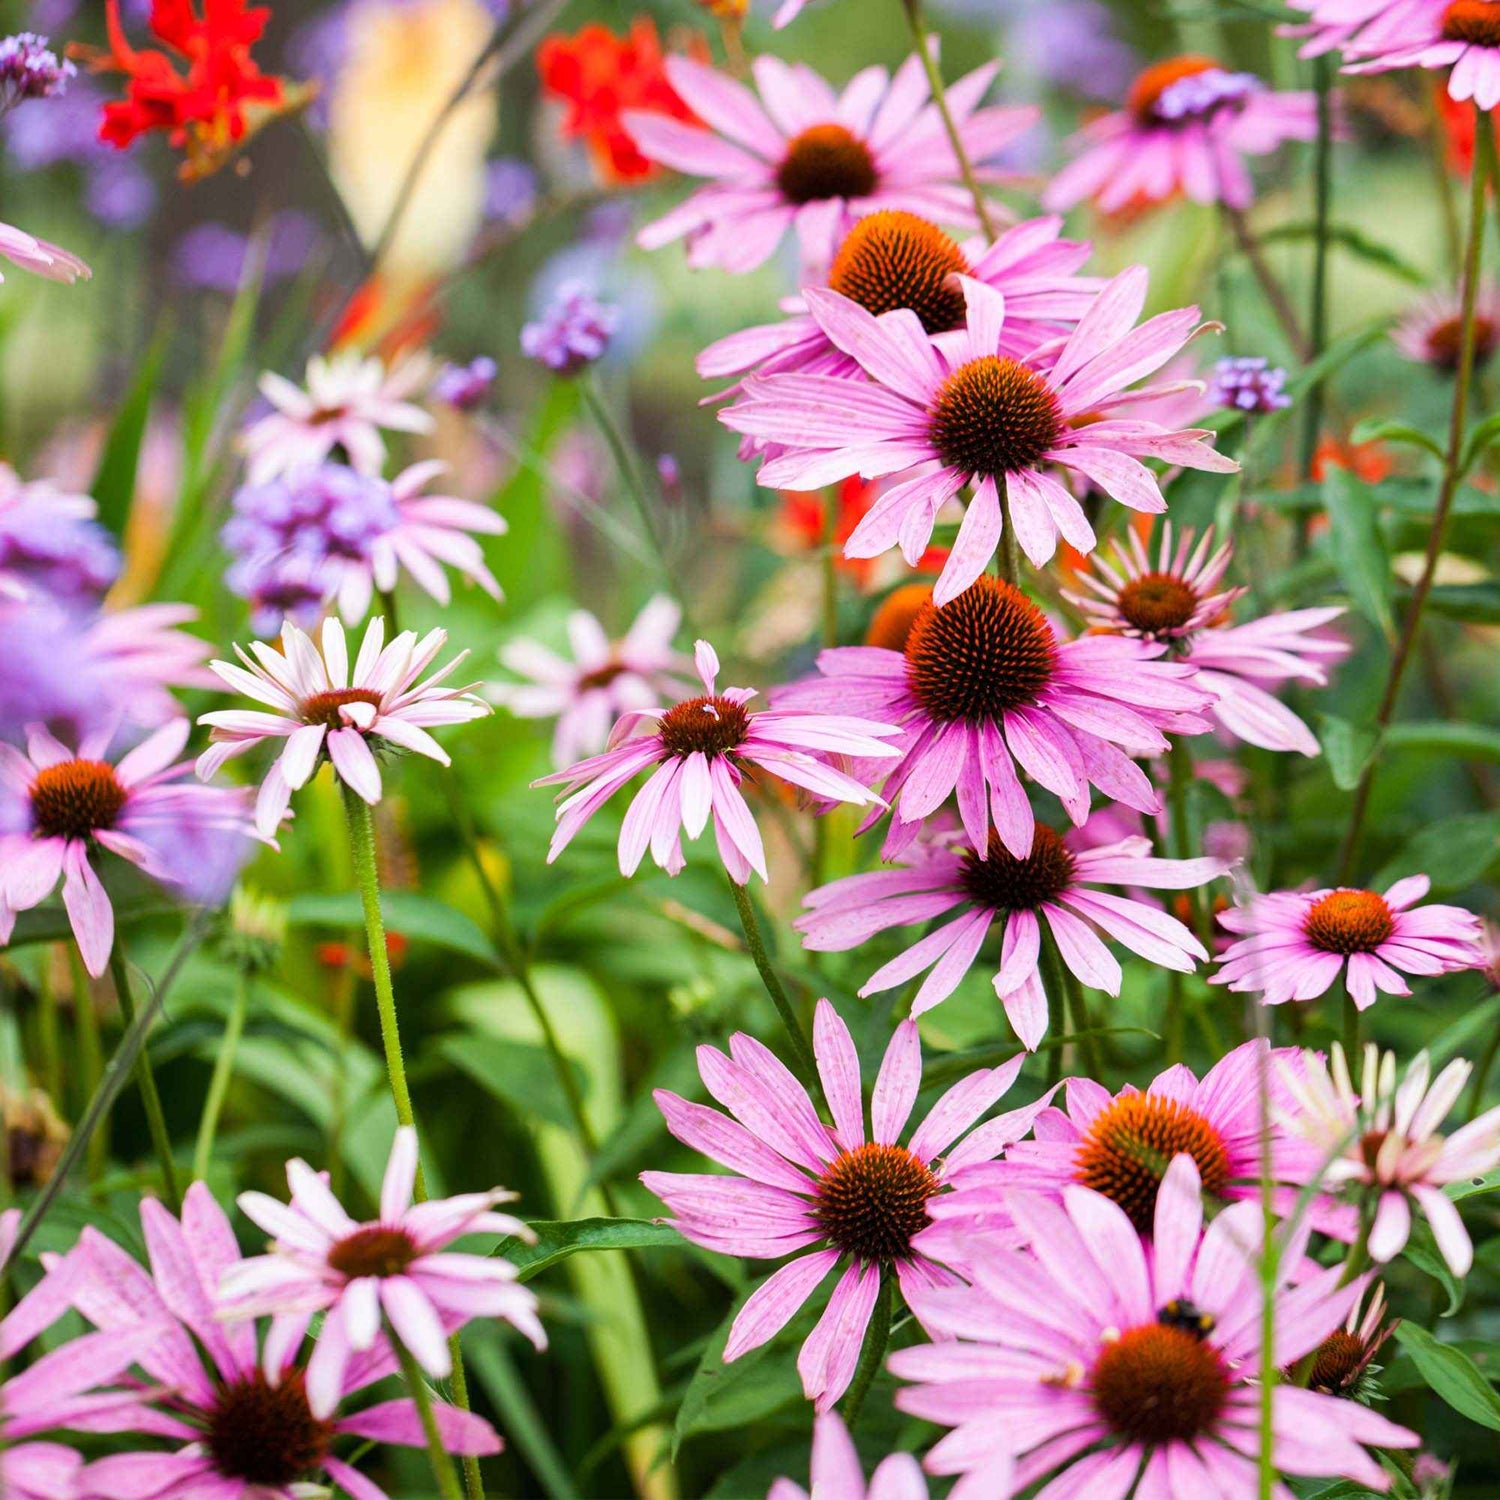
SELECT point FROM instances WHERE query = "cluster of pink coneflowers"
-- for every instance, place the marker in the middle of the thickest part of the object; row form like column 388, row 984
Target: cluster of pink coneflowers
column 1163, row 1293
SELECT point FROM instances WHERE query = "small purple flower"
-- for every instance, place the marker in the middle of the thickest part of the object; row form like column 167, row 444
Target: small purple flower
column 292, row 536
column 1248, row 384
column 29, row 70
column 212, row 255
column 463, row 387
column 510, row 192
column 1202, row 94
column 50, row 541
column 572, row 333
column 1071, row 44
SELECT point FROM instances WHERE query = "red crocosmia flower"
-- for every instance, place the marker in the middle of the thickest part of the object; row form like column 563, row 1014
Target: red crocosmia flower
column 599, row 75
column 206, row 94
column 1369, row 462
column 1458, row 130
column 800, row 524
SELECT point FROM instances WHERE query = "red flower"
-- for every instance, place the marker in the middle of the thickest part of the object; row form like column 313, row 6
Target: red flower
column 598, row 75
column 207, row 104
column 801, row 521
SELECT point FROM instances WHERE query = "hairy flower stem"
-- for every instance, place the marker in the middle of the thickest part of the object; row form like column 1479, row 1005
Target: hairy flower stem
column 156, row 1120
column 1484, row 169
column 779, row 997
column 421, row 1395
column 1318, row 312
column 1270, row 1259
column 1270, row 286
column 1009, row 556
column 877, row 1337
column 1351, row 1037
column 223, row 1074
column 916, row 17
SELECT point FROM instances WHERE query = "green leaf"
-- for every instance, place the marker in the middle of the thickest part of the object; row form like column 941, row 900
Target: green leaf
column 1455, row 852
column 1462, row 741
column 516, row 1073
column 407, row 912
column 114, row 480
column 1356, row 242
column 1376, row 430
column 557, row 1239
column 1348, row 749
column 1477, row 603
column 1422, row 1251
column 1451, row 1375
column 1359, row 552
column 721, row 1397
column 1479, row 438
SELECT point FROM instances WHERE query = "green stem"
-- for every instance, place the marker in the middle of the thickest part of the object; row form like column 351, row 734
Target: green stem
column 1485, row 167
column 145, row 1079
column 421, row 1395
column 1270, row 1257
column 223, row 1075
column 366, row 875
column 1351, row 1037
column 90, row 1054
column 830, row 567
column 1318, row 313
column 1270, row 286
column 779, row 998
column 1482, row 1072
column 47, row 1034
column 1010, row 550
column 877, row 1337
column 917, row 19
column 1359, row 1252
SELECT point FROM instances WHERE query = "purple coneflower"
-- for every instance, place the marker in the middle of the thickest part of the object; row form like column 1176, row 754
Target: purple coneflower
column 1187, row 127
column 395, row 1270
column 1296, row 944
column 1462, row 36
column 1432, row 332
column 793, row 154
column 940, row 418
column 803, row 1184
column 837, row 1474
column 603, row 680
column 319, row 706
column 702, row 750
column 1124, row 1370
column 1053, row 885
column 50, row 540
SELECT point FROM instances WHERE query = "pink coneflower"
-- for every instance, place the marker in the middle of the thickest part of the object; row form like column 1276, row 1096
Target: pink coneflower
column 793, row 154
column 703, row 749
column 1080, row 1354
column 1187, row 127
column 1343, row 1363
column 894, row 259
column 1382, row 1147
column 943, row 418
column 319, row 706
column 984, row 685
column 60, row 810
column 396, row 1269
column 40, row 258
column 348, row 402
column 1460, row 35
column 1334, row 24
column 1122, row 1144
column 802, row 1183
column 1432, row 332
column 1052, row 885
column 1299, row 943
column 1181, row 601
column 239, row 1414
column 603, row 680
column 837, row 1474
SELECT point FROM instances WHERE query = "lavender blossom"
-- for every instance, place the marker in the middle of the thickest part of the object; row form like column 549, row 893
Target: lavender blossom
column 29, row 70
column 572, row 333
column 1248, row 384
column 510, row 192
column 463, row 387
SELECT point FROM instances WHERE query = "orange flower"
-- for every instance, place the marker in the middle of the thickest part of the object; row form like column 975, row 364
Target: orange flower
column 218, row 99
column 1458, row 130
column 598, row 75
column 1370, row 462
column 800, row 526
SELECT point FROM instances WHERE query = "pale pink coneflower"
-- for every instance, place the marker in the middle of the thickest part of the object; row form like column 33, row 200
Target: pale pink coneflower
column 793, row 154
column 51, row 262
column 1122, row 1144
column 937, row 419
column 348, row 401
column 395, row 1270
column 1181, row 600
column 234, row 1407
column 1382, row 1147
column 836, row 1473
column 894, row 259
column 1294, row 945
column 319, row 706
column 603, row 679
column 702, row 750
column 1188, row 127
column 1334, row 25
column 1344, row 1364
column 1462, row 36
column 1431, row 332
column 1123, row 1369
column 802, row 1184
column 1053, row 886
column 61, row 809
column 983, row 686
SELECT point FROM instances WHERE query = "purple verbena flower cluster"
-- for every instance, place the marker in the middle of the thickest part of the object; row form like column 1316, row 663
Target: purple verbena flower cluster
column 1249, row 384
column 572, row 333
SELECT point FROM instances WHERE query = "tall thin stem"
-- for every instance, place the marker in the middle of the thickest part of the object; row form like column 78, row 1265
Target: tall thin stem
column 421, row 1395
column 1484, row 168
column 156, row 1120
column 1482, row 1071
column 1351, row 1026
column 223, row 1075
column 90, row 1053
column 1270, row 286
column 1322, row 206
column 779, row 997
column 917, row 19
column 877, row 1337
